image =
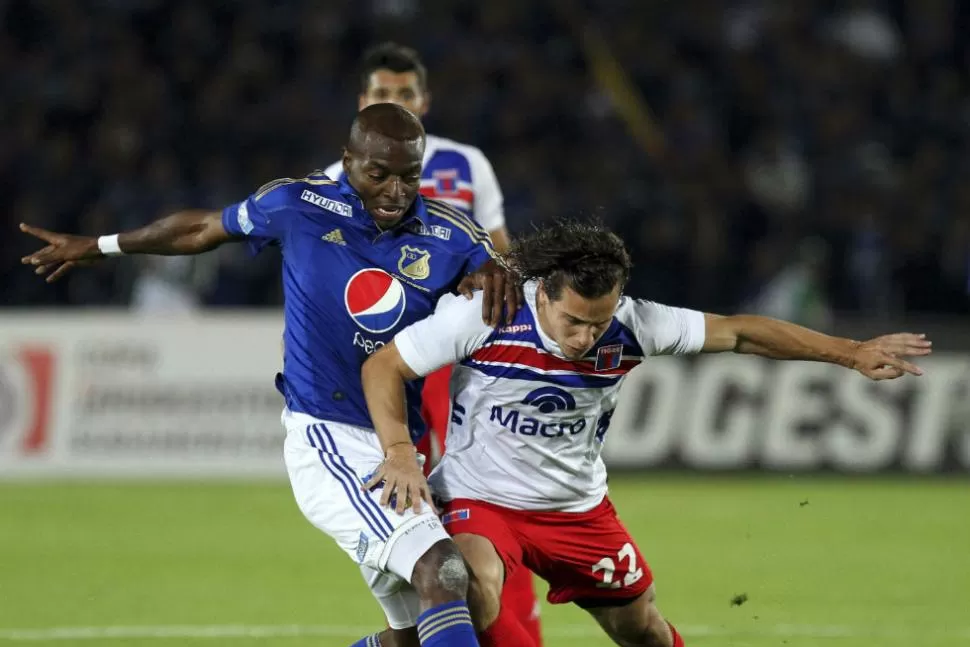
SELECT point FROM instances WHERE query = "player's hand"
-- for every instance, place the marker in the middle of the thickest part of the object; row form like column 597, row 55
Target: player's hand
column 881, row 358
column 404, row 482
column 502, row 290
column 62, row 253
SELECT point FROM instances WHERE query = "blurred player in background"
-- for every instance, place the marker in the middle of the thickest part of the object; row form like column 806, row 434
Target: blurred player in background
column 523, row 480
column 462, row 176
column 363, row 257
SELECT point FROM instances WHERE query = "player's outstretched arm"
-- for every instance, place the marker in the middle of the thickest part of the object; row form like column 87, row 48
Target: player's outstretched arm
column 880, row 358
column 383, row 377
column 180, row 234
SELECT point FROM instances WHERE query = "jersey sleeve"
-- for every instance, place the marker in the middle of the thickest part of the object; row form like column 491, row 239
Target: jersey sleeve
column 453, row 332
column 662, row 329
column 488, row 207
column 260, row 218
column 335, row 170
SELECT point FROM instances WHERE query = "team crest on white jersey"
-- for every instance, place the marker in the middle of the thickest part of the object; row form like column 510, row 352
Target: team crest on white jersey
column 445, row 182
column 609, row 357
column 414, row 263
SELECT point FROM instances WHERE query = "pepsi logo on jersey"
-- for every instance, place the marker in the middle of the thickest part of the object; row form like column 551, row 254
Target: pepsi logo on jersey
column 375, row 300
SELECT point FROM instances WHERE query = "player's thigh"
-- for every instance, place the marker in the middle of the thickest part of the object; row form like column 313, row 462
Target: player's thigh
column 489, row 547
column 483, row 559
column 328, row 464
column 586, row 557
column 633, row 623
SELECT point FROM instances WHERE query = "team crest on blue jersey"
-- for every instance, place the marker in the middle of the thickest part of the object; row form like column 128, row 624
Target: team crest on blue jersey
column 415, row 263
column 609, row 357
column 455, row 515
column 375, row 300
column 445, row 182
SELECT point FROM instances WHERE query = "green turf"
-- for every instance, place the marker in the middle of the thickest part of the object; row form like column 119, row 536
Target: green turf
column 871, row 562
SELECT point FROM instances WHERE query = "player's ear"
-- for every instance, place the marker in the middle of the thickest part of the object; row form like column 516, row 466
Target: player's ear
column 361, row 102
column 345, row 158
column 425, row 104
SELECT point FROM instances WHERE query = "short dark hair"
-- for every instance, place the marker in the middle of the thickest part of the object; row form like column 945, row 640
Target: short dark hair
column 581, row 254
column 393, row 57
column 387, row 120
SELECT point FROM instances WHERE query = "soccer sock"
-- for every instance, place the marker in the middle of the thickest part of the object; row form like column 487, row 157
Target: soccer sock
column 506, row 630
column 447, row 625
column 369, row 641
column 678, row 640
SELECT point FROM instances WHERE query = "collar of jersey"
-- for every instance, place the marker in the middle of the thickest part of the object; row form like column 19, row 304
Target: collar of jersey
column 416, row 212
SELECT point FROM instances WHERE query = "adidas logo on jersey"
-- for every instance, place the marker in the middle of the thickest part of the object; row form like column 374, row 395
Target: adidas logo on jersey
column 336, row 236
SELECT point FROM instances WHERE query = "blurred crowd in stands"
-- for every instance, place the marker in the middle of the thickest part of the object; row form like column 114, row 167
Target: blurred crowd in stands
column 815, row 156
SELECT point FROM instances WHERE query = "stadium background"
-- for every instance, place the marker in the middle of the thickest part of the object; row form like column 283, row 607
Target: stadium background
column 806, row 160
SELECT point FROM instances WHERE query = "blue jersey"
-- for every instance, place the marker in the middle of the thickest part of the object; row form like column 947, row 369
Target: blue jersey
column 349, row 287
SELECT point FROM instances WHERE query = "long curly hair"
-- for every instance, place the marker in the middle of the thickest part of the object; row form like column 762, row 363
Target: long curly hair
column 581, row 254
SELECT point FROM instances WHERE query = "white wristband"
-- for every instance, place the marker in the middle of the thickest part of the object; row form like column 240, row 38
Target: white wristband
column 109, row 245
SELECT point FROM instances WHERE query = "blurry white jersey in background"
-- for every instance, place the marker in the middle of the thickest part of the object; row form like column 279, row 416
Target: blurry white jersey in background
column 458, row 174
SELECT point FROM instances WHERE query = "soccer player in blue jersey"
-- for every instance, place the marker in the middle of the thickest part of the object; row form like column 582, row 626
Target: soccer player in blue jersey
column 459, row 174
column 362, row 258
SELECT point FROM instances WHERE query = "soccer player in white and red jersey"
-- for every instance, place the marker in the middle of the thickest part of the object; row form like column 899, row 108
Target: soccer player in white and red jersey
column 523, row 482
column 460, row 175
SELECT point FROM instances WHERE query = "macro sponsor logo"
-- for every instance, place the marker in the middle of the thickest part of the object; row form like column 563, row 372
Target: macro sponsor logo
column 546, row 400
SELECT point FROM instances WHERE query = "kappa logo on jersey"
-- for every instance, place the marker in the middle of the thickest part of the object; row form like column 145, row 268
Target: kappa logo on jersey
column 609, row 357
column 375, row 300
column 445, row 182
column 317, row 200
column 414, row 263
column 549, row 399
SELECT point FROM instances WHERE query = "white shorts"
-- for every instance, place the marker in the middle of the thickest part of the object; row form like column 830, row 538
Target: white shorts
column 328, row 463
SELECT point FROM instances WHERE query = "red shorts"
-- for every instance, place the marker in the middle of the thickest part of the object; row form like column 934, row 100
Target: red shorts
column 586, row 557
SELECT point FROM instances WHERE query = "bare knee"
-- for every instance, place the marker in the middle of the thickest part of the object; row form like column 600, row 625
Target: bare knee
column 636, row 624
column 487, row 578
column 440, row 575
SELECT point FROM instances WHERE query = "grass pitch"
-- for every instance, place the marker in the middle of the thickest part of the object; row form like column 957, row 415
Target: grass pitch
column 821, row 562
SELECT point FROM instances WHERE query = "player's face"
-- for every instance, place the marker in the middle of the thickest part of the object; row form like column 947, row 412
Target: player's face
column 574, row 322
column 386, row 175
column 402, row 88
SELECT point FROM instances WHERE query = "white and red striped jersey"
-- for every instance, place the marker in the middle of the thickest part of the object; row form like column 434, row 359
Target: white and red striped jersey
column 458, row 174
column 527, row 424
